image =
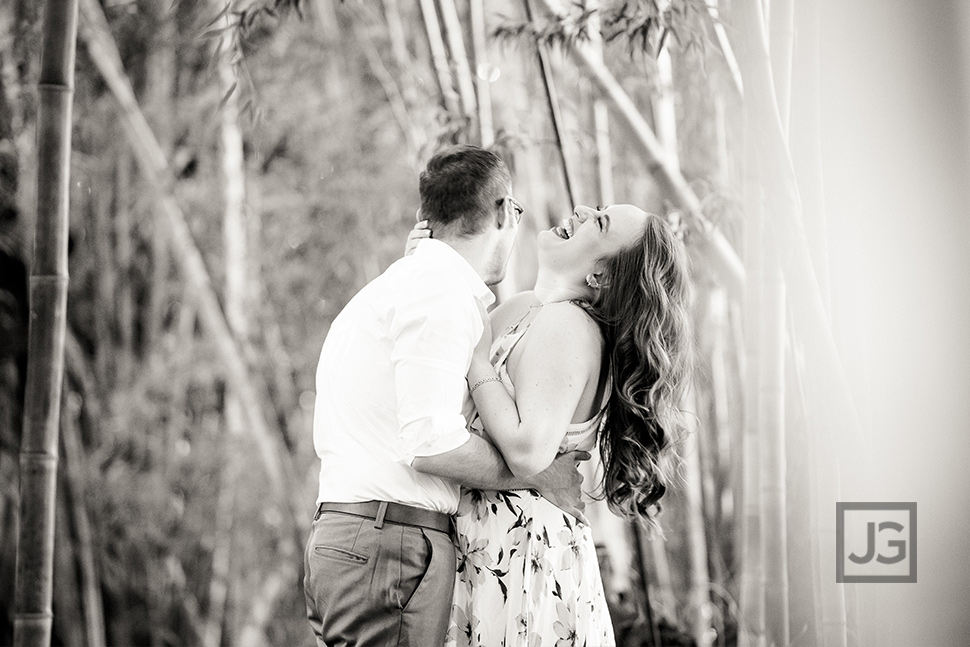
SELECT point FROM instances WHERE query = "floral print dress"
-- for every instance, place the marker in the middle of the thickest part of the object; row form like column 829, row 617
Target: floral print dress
column 527, row 572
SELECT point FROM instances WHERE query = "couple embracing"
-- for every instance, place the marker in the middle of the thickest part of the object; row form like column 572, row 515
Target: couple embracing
column 449, row 507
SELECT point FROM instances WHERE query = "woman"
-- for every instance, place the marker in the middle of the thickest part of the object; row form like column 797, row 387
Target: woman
column 597, row 351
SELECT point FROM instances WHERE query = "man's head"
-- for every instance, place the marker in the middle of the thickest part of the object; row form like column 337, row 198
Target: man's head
column 466, row 196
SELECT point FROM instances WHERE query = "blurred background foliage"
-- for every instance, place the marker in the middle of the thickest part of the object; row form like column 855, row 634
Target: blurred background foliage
column 314, row 119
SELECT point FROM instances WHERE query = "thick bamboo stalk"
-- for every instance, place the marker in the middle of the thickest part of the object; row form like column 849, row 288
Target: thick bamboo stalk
column 805, row 138
column 803, row 548
column 160, row 99
column 48, row 321
column 710, row 242
column 781, row 41
column 276, row 460
column 725, row 45
column 439, row 57
column 238, row 304
column 700, row 579
column 644, row 551
column 476, row 16
column 772, row 377
column 555, row 113
column 398, row 39
column 771, row 421
column 459, row 57
column 831, row 595
column 601, row 121
column 751, row 608
column 664, row 113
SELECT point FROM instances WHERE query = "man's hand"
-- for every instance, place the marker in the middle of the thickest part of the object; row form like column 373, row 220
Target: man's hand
column 560, row 483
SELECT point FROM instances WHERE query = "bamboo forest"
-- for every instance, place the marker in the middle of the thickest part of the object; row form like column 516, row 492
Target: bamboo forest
column 192, row 190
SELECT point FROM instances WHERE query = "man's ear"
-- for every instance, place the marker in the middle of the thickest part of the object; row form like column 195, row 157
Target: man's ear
column 503, row 215
column 417, row 215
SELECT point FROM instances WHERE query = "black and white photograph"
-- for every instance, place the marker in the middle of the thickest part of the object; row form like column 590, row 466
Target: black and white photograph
column 468, row 323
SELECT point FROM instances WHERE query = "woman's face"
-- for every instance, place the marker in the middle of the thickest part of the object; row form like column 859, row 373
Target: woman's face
column 590, row 235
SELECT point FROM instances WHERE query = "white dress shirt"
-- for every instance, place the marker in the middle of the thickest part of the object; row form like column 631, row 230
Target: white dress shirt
column 391, row 380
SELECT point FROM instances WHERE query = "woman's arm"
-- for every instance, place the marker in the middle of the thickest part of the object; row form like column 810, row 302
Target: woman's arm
column 558, row 362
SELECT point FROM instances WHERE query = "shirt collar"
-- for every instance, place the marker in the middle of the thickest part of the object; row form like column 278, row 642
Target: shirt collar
column 445, row 253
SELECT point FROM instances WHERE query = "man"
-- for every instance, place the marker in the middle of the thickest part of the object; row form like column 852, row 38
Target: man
column 388, row 423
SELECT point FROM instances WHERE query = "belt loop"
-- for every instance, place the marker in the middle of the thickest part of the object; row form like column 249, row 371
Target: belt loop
column 319, row 512
column 381, row 511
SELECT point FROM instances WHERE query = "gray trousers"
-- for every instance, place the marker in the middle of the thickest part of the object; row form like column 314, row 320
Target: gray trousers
column 368, row 586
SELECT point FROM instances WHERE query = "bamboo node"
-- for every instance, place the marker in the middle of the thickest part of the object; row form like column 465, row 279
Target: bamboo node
column 54, row 87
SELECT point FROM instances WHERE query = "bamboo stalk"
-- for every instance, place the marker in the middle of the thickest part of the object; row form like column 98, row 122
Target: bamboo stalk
column 48, row 321
column 237, row 304
column 459, row 57
column 90, row 581
column 772, row 377
column 404, row 67
column 253, row 632
column 700, row 579
column 710, row 242
column 68, row 621
column 122, row 234
column 751, row 619
column 781, row 39
column 99, row 205
column 664, row 114
column 482, row 82
column 771, row 420
column 555, row 113
column 439, row 57
column 160, row 97
column 644, row 549
column 604, row 152
column 334, row 83
column 725, row 45
column 805, row 137
column 802, row 528
column 834, row 624
column 398, row 40
column 276, row 460
column 601, row 120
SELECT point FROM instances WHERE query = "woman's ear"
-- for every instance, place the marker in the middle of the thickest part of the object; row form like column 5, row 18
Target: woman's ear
column 598, row 276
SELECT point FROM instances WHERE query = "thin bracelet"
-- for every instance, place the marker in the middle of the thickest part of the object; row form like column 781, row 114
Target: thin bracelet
column 481, row 382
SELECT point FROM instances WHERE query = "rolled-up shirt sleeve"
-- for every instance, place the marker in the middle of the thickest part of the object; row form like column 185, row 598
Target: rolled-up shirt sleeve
column 434, row 330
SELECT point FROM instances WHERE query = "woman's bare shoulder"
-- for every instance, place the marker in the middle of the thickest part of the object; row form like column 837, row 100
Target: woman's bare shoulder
column 570, row 328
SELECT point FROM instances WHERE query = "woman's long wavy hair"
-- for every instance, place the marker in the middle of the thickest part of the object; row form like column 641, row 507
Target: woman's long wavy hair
column 642, row 310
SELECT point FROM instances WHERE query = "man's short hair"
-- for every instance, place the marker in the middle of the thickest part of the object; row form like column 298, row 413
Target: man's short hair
column 461, row 187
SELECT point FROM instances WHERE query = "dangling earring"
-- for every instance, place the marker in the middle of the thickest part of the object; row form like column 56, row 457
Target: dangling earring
column 592, row 282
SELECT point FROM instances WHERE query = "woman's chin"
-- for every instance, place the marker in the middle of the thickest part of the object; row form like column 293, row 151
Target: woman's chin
column 548, row 237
